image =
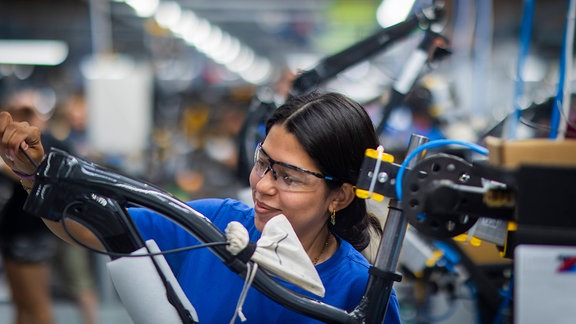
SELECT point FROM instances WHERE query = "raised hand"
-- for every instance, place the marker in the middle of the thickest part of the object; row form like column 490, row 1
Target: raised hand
column 20, row 145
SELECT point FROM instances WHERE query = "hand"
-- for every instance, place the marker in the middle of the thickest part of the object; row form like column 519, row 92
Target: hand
column 16, row 135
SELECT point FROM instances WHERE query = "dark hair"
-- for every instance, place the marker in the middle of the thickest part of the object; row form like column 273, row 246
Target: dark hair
column 335, row 131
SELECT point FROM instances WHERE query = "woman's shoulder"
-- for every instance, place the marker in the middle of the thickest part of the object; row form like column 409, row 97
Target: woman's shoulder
column 345, row 276
column 352, row 254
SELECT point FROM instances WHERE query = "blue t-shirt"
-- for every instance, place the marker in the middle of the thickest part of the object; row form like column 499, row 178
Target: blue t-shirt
column 214, row 289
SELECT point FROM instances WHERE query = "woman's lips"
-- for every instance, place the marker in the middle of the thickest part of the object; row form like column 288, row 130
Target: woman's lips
column 264, row 209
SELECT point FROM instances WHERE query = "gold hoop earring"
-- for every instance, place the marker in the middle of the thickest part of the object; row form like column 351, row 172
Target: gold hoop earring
column 333, row 217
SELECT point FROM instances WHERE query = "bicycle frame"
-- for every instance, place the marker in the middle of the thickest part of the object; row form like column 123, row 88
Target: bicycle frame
column 67, row 186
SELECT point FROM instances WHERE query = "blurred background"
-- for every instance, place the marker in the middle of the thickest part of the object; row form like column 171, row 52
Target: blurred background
column 162, row 90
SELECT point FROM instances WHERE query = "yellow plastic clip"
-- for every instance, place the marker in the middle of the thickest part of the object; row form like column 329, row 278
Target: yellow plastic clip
column 380, row 157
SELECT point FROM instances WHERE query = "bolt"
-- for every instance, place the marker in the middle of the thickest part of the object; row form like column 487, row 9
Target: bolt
column 382, row 177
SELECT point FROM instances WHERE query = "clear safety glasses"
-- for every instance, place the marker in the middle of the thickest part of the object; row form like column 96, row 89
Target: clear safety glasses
column 288, row 177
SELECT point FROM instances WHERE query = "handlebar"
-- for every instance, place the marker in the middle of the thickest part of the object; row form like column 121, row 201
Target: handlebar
column 63, row 179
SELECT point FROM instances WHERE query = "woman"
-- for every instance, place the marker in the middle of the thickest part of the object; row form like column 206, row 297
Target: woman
column 305, row 169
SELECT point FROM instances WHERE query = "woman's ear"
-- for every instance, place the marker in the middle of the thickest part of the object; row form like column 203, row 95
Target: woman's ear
column 344, row 196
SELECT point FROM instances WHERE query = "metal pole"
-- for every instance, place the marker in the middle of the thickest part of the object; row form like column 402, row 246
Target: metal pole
column 389, row 251
column 396, row 223
column 100, row 27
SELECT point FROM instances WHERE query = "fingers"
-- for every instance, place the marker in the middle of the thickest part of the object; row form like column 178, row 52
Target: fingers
column 5, row 119
column 16, row 135
column 5, row 133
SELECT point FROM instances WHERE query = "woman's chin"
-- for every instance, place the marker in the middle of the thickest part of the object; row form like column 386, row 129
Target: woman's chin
column 261, row 220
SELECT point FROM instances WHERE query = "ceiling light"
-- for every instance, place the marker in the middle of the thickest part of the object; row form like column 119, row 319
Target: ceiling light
column 258, row 73
column 391, row 12
column 33, row 52
column 212, row 42
column 168, row 13
column 144, row 8
column 243, row 61
column 186, row 23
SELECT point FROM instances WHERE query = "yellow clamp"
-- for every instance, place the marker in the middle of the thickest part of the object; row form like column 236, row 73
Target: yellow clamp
column 378, row 155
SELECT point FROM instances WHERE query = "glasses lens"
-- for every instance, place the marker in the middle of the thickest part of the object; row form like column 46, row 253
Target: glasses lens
column 261, row 164
column 288, row 177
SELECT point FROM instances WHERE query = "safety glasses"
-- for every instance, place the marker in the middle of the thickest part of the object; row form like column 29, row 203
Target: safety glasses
column 288, row 177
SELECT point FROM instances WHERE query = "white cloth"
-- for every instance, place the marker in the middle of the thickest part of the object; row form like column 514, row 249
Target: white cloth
column 279, row 251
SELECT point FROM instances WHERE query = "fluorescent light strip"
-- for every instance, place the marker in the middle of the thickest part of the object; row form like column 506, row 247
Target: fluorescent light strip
column 33, row 52
column 217, row 45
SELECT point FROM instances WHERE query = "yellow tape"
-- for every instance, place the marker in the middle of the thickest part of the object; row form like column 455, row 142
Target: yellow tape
column 465, row 238
column 372, row 153
column 365, row 194
column 436, row 255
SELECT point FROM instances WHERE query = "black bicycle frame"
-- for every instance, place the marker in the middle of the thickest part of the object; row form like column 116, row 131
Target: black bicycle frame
column 67, row 186
column 64, row 181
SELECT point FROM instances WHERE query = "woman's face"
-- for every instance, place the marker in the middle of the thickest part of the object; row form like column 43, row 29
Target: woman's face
column 305, row 203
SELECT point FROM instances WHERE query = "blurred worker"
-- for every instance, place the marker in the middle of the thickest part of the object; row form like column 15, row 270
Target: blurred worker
column 73, row 262
column 28, row 248
column 75, row 119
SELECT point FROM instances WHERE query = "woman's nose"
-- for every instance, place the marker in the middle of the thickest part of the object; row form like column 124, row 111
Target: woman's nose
column 269, row 169
column 267, row 183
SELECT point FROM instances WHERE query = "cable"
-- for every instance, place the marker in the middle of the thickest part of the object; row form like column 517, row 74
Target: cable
column 508, row 296
column 546, row 127
column 525, row 34
column 564, row 92
column 431, row 145
column 557, row 103
column 128, row 255
column 29, row 157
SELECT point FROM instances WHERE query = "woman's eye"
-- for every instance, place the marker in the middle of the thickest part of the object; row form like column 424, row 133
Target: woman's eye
column 261, row 164
column 288, row 180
